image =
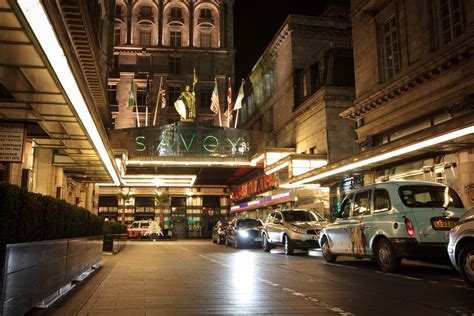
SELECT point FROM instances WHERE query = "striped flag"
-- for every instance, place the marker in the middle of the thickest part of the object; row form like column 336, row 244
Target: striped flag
column 215, row 99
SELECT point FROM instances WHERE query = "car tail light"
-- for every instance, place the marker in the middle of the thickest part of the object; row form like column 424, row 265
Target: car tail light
column 409, row 227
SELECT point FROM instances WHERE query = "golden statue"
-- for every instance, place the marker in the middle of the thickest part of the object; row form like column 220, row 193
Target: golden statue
column 185, row 105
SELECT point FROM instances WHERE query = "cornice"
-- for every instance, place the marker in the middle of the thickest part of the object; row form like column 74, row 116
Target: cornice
column 414, row 77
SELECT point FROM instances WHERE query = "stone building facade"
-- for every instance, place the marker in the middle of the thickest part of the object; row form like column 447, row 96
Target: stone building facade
column 166, row 41
column 414, row 77
column 296, row 92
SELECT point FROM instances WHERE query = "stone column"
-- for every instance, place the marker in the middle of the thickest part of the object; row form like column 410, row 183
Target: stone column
column 160, row 23
column 222, row 29
column 129, row 22
column 125, row 117
column 191, row 23
column 229, row 25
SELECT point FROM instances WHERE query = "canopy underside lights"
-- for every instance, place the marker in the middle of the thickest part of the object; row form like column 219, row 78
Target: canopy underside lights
column 46, row 36
column 391, row 154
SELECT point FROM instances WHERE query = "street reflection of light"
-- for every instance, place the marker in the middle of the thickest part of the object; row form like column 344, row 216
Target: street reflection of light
column 244, row 277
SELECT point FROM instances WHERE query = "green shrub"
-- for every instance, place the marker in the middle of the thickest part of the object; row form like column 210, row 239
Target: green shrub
column 26, row 217
column 114, row 228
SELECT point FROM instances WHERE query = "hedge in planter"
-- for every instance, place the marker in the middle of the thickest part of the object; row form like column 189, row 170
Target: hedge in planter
column 27, row 217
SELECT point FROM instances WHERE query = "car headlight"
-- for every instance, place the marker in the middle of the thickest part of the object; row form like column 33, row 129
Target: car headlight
column 299, row 230
column 243, row 233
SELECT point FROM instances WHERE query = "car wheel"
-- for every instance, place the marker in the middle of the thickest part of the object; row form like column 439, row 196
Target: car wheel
column 266, row 246
column 466, row 263
column 327, row 251
column 386, row 257
column 288, row 245
column 237, row 244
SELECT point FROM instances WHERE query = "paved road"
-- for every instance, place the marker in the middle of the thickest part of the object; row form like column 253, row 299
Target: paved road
column 198, row 277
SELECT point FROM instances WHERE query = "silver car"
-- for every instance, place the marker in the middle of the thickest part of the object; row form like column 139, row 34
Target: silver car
column 461, row 247
column 294, row 229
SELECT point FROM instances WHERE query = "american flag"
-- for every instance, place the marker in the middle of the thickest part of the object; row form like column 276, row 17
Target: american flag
column 163, row 98
column 215, row 99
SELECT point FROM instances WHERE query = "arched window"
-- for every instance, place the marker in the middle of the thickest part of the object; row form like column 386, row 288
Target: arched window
column 206, row 24
column 120, row 24
column 175, row 20
column 144, row 21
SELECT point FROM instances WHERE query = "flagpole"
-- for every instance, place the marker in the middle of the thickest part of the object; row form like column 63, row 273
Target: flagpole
column 157, row 101
column 236, row 118
column 136, row 109
column 220, row 119
column 146, row 115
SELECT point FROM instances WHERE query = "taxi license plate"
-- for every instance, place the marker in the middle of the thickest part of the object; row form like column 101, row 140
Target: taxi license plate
column 443, row 224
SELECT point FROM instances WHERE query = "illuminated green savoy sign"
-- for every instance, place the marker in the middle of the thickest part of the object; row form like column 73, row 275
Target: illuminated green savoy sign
column 190, row 139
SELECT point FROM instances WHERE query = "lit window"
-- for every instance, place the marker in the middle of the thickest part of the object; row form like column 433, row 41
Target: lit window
column 390, row 48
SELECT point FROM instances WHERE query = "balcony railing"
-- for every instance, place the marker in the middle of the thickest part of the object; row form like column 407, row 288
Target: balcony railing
column 206, row 20
column 146, row 18
column 172, row 18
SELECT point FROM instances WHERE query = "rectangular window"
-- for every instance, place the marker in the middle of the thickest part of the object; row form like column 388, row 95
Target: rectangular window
column 176, row 12
column 305, row 84
column 108, row 203
column 174, row 92
column 450, row 20
column 145, row 37
column 390, row 48
column 175, row 64
column 145, row 11
column 112, row 94
column 117, row 37
column 381, row 200
column 205, row 39
column 206, row 14
column 175, row 39
column 205, row 94
column 143, row 64
column 362, row 203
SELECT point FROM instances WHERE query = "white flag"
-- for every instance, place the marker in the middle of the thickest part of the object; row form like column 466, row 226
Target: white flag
column 240, row 96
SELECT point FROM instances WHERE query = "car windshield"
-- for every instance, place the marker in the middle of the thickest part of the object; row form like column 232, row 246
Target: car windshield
column 429, row 196
column 145, row 225
column 299, row 216
column 248, row 223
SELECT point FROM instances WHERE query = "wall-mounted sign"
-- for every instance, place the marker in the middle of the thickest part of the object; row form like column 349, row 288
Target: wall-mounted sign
column 184, row 139
column 12, row 137
column 264, row 201
column 254, row 186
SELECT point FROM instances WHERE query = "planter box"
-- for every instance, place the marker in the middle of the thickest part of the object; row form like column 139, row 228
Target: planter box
column 114, row 242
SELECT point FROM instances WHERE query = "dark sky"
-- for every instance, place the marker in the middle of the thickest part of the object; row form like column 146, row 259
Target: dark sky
column 255, row 24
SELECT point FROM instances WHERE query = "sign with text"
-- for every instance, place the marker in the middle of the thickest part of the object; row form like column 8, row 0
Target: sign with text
column 253, row 187
column 184, row 139
column 12, row 137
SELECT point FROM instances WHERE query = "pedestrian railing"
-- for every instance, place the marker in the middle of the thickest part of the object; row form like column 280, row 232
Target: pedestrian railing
column 37, row 273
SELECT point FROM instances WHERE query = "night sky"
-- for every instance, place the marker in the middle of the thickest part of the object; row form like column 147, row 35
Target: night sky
column 256, row 23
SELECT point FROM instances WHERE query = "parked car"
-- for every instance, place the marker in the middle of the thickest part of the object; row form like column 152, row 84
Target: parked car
column 218, row 232
column 144, row 229
column 294, row 229
column 461, row 247
column 243, row 232
column 393, row 220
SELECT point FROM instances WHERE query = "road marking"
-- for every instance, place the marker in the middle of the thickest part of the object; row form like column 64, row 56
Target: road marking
column 404, row 276
column 434, row 282
column 327, row 306
column 464, row 287
column 340, row 265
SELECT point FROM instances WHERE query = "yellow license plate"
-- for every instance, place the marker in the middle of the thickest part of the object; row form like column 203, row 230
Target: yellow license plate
column 443, row 224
